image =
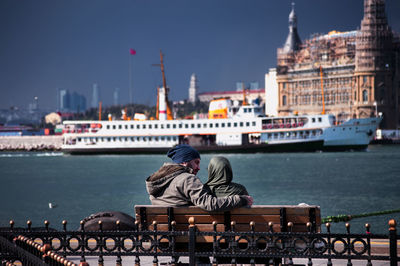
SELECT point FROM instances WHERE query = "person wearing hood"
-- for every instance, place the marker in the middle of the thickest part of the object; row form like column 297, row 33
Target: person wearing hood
column 220, row 178
column 176, row 184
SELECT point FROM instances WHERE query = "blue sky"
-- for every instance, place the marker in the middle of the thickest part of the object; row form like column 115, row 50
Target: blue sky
column 49, row 44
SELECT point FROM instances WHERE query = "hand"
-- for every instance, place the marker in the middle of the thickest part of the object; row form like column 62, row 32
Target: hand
column 250, row 200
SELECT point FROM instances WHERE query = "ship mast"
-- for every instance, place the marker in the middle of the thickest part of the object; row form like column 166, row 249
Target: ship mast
column 166, row 90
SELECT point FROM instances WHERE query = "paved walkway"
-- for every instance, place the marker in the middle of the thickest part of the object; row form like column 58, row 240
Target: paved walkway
column 110, row 261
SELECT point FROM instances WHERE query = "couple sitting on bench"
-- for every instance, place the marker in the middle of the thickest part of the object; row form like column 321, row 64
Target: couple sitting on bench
column 176, row 184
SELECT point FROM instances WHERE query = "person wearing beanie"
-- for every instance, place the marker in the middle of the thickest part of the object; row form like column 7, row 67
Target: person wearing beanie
column 176, row 184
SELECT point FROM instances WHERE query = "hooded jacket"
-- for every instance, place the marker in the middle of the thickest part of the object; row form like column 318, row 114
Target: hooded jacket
column 220, row 178
column 176, row 185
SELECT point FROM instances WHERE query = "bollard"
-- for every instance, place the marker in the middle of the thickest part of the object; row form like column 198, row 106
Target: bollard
column 393, row 242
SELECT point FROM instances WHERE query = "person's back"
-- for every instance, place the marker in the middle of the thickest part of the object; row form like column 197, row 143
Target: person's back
column 220, row 178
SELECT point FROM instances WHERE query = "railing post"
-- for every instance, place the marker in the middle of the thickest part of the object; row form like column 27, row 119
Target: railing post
column 393, row 242
column 192, row 242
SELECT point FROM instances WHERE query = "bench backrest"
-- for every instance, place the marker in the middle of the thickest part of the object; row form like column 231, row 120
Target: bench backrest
column 260, row 215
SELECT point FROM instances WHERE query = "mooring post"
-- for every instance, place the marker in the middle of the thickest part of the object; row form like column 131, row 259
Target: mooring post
column 393, row 242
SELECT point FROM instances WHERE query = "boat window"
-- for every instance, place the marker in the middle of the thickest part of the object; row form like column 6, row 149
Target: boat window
column 144, row 138
column 314, row 132
column 126, row 138
column 174, row 138
column 79, row 139
column 126, row 126
column 131, row 126
column 253, row 123
column 222, row 124
column 247, row 124
column 241, row 124
column 132, row 139
column 186, row 126
column 211, row 125
column 113, row 126
column 199, row 125
column 150, row 126
column 269, row 135
column 275, row 135
column 150, row 138
column 137, row 138
column 156, row 138
column 114, row 139
column 319, row 119
column 313, row 120
column 155, row 126
column 120, row 139
column 162, row 138
column 216, row 125
column 162, row 126
column 108, row 126
column 192, row 125
column 137, row 126
column 144, row 126
column 229, row 124
column 109, row 139
column 244, row 110
column 180, row 125
column 168, row 138
column 205, row 125
column 168, row 125
column 174, row 126
column 235, row 124
column 119, row 126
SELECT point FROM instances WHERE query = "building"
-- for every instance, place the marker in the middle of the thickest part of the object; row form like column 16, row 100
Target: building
column 70, row 102
column 116, row 96
column 193, row 88
column 348, row 74
column 250, row 95
column 95, row 96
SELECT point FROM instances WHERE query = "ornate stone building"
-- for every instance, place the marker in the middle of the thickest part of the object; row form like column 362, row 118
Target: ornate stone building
column 348, row 74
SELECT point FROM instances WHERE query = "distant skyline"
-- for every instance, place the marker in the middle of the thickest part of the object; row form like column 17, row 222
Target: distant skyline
column 73, row 44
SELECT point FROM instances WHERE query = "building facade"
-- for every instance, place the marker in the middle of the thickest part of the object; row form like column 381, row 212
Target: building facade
column 348, row 74
column 249, row 95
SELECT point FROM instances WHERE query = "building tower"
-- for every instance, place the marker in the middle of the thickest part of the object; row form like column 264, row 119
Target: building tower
column 373, row 91
column 193, row 88
column 95, row 96
column 116, row 96
column 292, row 44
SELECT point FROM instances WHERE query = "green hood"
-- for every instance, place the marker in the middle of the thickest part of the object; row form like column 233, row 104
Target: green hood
column 220, row 178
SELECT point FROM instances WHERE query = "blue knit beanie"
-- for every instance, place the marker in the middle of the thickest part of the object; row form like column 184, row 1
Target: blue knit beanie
column 183, row 153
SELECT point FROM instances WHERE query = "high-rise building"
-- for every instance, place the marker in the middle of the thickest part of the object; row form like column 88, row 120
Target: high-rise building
column 95, row 96
column 348, row 74
column 193, row 88
column 116, row 96
column 70, row 102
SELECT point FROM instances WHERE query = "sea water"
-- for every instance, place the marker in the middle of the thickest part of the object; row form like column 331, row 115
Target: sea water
column 77, row 186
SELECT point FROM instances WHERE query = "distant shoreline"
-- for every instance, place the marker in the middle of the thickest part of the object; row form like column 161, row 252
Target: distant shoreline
column 31, row 143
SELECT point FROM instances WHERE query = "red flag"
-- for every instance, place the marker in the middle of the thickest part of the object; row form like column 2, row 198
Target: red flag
column 132, row 51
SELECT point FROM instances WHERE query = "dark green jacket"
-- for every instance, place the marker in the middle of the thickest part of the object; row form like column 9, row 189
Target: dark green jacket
column 220, row 178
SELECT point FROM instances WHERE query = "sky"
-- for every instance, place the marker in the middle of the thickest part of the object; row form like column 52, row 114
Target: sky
column 50, row 44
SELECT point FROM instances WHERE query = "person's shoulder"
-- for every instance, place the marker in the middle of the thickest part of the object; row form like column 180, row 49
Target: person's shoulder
column 240, row 187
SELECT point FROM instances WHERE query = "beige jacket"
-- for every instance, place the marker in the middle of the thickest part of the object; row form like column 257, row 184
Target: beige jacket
column 175, row 185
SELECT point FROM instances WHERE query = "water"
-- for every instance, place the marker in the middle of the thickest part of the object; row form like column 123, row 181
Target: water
column 341, row 183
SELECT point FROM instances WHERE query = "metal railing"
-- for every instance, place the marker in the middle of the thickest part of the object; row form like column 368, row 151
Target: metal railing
column 49, row 247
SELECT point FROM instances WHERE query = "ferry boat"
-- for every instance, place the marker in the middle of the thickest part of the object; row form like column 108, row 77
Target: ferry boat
column 229, row 128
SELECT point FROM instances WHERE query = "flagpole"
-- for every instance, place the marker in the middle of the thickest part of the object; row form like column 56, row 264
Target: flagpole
column 130, row 79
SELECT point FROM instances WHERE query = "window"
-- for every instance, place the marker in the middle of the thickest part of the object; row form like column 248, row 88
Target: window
column 235, row 124
column 186, row 126
column 284, row 100
column 126, row 126
column 205, row 125
column 241, row 124
column 365, row 96
column 168, row 125
column 155, row 126
column 144, row 126
column 198, row 125
column 137, row 126
column 131, row 126
column 247, row 124
column 180, row 125
column 150, row 126
column 174, row 126
column 113, row 126
column 192, row 125
column 319, row 119
column 222, row 124
column 119, row 126
column 229, row 124
column 216, row 125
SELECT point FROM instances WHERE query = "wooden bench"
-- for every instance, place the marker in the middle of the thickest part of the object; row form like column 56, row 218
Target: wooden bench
column 261, row 215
